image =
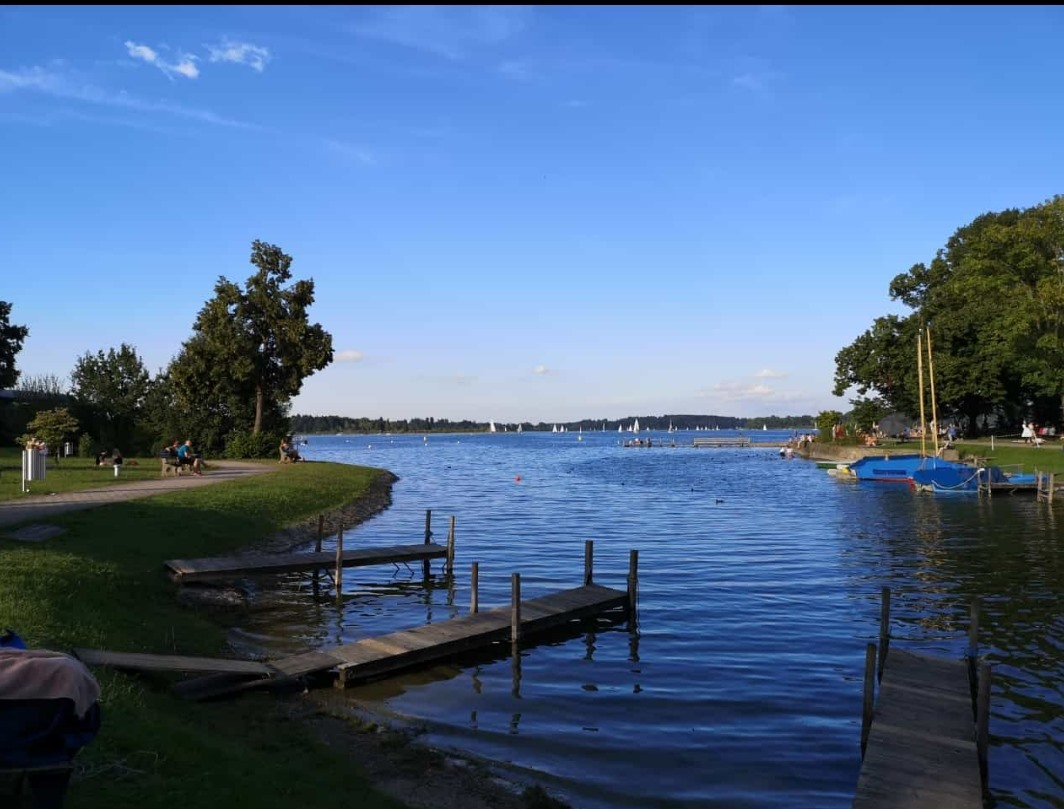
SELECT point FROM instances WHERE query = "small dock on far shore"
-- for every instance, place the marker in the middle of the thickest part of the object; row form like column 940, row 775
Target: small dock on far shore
column 924, row 743
column 730, row 441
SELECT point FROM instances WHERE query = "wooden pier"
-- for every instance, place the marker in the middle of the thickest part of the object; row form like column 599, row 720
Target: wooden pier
column 389, row 654
column 737, row 441
column 229, row 567
column 924, row 744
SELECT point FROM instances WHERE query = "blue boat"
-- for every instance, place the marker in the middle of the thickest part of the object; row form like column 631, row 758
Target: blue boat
column 900, row 468
column 945, row 480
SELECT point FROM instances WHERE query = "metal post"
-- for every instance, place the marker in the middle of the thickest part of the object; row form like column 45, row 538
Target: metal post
column 474, row 583
column 321, row 532
column 589, row 552
column 869, row 695
column 884, row 632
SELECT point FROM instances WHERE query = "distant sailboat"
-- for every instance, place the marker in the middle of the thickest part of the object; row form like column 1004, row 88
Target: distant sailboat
column 764, row 426
column 491, row 427
column 635, row 426
column 555, row 429
column 520, row 428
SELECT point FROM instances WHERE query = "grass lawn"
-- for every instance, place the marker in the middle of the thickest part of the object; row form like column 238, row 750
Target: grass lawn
column 1046, row 458
column 101, row 584
column 70, row 474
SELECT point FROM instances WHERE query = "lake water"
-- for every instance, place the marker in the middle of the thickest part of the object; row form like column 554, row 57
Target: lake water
column 759, row 586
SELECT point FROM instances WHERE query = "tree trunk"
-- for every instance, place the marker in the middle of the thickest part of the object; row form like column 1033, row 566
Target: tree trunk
column 260, row 397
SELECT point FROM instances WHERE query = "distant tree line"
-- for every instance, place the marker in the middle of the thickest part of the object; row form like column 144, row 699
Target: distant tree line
column 993, row 300
column 229, row 388
column 328, row 425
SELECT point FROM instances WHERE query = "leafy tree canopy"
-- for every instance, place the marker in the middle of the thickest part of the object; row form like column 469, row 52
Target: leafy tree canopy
column 11, row 338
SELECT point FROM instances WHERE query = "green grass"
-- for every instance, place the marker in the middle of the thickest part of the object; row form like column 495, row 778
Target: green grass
column 1047, row 458
column 102, row 585
column 70, row 475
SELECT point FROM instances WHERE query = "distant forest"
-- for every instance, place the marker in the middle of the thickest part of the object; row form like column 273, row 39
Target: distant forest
column 328, row 425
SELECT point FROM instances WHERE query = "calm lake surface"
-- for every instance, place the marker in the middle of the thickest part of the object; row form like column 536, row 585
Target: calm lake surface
column 759, row 586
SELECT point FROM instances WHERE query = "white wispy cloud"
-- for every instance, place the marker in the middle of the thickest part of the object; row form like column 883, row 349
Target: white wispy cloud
column 241, row 53
column 349, row 356
column 768, row 373
column 351, row 153
column 540, row 370
column 515, row 69
column 448, row 31
column 70, row 88
column 735, row 391
column 184, row 66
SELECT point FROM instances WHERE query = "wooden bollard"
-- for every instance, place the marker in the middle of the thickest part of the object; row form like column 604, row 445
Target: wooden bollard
column 474, row 584
column 869, row 695
column 515, row 614
column 321, row 532
column 589, row 553
column 450, row 548
column 884, row 632
column 973, row 635
column 633, row 583
column 982, row 720
column 338, row 577
column 428, row 539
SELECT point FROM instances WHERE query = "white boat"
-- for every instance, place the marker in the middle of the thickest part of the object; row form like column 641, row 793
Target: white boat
column 554, row 429
column 491, row 427
column 635, row 426
column 764, row 426
column 520, row 428
column 620, row 428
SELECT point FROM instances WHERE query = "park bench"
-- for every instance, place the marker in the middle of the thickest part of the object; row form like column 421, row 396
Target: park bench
column 171, row 464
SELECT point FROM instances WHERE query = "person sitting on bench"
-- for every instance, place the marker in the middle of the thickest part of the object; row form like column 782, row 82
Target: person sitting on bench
column 187, row 457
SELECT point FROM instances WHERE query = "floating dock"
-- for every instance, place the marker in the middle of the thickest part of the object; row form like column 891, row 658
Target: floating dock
column 924, row 744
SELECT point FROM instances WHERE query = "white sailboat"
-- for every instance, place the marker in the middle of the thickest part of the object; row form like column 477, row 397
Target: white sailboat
column 635, row 426
column 491, row 427
column 555, row 429
column 520, row 428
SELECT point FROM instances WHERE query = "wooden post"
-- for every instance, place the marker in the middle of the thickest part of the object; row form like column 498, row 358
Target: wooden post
column 884, row 632
column 1052, row 484
column 450, row 548
column 321, row 531
column 515, row 614
column 428, row 539
column 633, row 583
column 869, row 694
column 982, row 720
column 589, row 552
column 474, row 583
column 338, row 577
column 973, row 630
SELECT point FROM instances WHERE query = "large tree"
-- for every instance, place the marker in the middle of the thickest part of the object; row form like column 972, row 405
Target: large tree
column 252, row 348
column 111, row 388
column 11, row 338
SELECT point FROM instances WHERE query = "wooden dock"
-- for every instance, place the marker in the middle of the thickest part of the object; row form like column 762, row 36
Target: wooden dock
column 737, row 441
column 924, row 744
column 229, row 567
column 389, row 654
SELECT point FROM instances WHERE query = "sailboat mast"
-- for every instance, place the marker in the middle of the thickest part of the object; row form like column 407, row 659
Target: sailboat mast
column 931, row 378
column 920, row 374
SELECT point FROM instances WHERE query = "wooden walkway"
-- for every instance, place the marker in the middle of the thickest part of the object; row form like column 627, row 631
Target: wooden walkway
column 925, row 743
column 191, row 570
column 388, row 654
column 382, row 655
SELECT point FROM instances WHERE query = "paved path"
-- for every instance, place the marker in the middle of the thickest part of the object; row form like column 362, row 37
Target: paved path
column 41, row 507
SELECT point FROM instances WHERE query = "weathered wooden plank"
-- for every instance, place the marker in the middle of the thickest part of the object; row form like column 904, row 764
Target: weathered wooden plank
column 154, row 662
column 303, row 664
column 921, row 751
column 190, row 570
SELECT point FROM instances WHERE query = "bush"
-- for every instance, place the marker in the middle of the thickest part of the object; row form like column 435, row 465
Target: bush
column 87, row 447
column 247, row 445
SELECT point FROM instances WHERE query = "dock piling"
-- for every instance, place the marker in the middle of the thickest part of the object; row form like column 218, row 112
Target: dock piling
column 515, row 610
column 474, row 584
column 633, row 583
column 428, row 539
column 973, row 641
column 869, row 695
column 982, row 720
column 450, row 549
column 589, row 552
column 338, row 576
column 321, row 533
column 884, row 631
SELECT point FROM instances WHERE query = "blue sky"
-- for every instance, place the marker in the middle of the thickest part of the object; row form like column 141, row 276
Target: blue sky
column 514, row 213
